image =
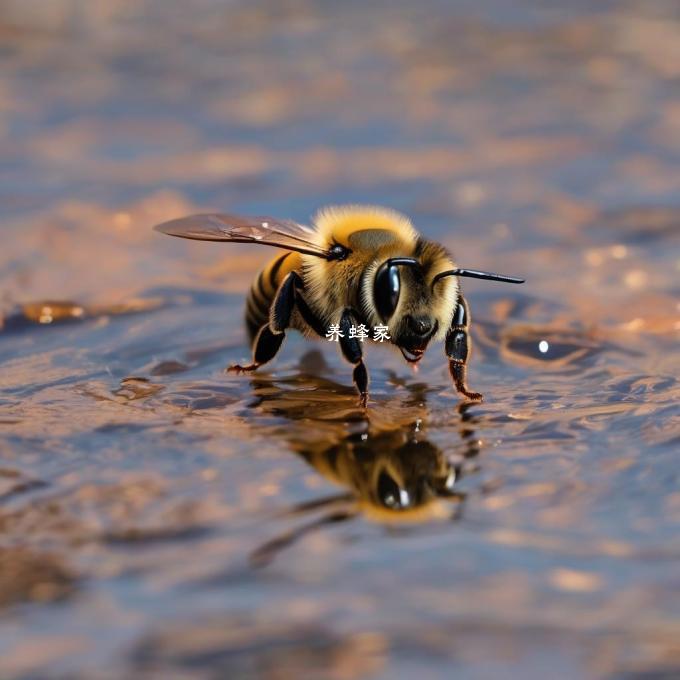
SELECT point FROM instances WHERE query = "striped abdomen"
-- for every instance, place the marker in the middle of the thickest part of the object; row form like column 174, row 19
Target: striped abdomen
column 264, row 289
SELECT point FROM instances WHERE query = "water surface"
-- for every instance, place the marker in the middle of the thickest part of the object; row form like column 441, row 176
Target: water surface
column 161, row 518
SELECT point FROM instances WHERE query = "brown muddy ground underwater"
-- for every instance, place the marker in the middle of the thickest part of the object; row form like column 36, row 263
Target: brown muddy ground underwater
column 162, row 519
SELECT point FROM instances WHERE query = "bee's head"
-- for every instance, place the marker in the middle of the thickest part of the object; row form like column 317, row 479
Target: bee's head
column 410, row 475
column 405, row 300
column 416, row 297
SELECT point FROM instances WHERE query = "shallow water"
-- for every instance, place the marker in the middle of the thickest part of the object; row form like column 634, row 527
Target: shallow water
column 160, row 518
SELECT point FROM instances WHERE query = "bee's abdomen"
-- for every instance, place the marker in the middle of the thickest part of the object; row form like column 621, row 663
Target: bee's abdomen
column 262, row 293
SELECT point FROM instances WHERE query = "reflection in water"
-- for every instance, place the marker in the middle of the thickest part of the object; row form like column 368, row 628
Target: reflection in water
column 31, row 575
column 51, row 312
column 536, row 136
column 391, row 471
column 556, row 348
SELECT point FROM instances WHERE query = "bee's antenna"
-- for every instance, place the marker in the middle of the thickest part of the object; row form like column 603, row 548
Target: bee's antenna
column 473, row 274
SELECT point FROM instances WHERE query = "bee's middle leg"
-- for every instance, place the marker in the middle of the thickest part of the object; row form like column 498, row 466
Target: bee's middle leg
column 351, row 349
column 270, row 337
column 457, row 346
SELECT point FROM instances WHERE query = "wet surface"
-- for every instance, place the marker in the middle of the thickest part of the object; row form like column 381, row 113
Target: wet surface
column 161, row 518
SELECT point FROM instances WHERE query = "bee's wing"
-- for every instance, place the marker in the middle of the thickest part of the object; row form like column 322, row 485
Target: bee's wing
column 238, row 229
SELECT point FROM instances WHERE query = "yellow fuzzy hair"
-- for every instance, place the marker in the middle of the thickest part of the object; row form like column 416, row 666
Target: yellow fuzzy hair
column 334, row 224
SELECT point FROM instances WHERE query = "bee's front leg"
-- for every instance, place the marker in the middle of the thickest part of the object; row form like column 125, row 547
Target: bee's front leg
column 458, row 345
column 352, row 351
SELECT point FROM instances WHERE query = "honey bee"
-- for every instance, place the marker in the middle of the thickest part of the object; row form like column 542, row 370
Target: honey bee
column 385, row 467
column 357, row 266
column 389, row 477
column 388, row 472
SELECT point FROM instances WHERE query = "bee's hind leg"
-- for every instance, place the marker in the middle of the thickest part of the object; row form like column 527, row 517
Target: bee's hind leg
column 351, row 349
column 270, row 337
column 266, row 346
column 458, row 346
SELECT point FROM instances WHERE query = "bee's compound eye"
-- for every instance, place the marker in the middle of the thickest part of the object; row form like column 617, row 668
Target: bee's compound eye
column 390, row 494
column 386, row 290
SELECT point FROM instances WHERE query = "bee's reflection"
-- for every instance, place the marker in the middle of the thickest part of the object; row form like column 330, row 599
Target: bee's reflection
column 387, row 467
column 392, row 472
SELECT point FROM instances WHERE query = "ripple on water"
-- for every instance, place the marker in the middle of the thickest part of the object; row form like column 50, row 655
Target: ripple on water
column 209, row 524
column 546, row 346
column 43, row 313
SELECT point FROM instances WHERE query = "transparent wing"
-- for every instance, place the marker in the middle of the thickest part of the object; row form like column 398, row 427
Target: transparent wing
column 239, row 229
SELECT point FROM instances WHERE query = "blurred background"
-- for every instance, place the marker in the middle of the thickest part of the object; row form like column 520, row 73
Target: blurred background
column 159, row 518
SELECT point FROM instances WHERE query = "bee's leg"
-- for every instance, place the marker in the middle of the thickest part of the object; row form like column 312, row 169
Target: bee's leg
column 264, row 555
column 270, row 337
column 266, row 345
column 458, row 344
column 351, row 349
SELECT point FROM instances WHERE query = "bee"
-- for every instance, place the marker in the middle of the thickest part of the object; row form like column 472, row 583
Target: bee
column 389, row 477
column 357, row 266
column 386, row 472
